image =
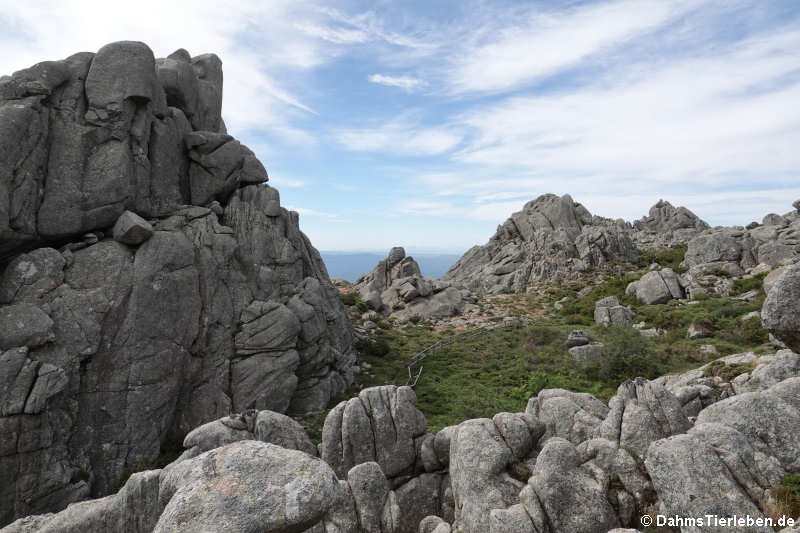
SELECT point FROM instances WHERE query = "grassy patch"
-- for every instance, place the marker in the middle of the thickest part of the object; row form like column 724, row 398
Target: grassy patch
column 726, row 371
column 666, row 257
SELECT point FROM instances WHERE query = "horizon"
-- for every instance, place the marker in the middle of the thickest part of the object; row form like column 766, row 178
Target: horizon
column 430, row 124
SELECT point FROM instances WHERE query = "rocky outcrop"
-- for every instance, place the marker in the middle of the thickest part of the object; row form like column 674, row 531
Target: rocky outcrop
column 657, row 287
column 569, row 463
column 737, row 250
column 396, row 286
column 551, row 238
column 781, row 312
column 150, row 279
column 609, row 312
column 666, row 225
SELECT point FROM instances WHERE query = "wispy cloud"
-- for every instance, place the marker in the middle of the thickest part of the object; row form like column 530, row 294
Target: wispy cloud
column 544, row 42
column 406, row 83
column 401, row 136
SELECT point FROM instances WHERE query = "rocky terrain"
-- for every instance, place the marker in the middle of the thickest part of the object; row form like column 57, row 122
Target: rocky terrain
column 155, row 346
column 687, row 444
column 150, row 282
column 556, row 238
column 397, row 286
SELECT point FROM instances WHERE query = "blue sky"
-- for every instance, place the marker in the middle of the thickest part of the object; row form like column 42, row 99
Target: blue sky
column 425, row 124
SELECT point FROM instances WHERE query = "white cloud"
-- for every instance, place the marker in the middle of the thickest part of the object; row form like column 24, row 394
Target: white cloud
column 401, row 136
column 690, row 123
column 306, row 212
column 406, row 83
column 545, row 42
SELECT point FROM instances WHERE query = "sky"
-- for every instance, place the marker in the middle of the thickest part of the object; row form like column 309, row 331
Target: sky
column 427, row 123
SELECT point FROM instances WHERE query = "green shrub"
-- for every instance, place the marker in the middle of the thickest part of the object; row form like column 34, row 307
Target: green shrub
column 628, row 354
column 666, row 257
column 362, row 306
column 349, row 298
column 756, row 283
column 377, row 347
column 719, row 272
column 726, row 371
column 746, row 332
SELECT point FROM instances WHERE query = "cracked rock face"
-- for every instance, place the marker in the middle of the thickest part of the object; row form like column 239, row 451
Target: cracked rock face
column 150, row 281
column 551, row 238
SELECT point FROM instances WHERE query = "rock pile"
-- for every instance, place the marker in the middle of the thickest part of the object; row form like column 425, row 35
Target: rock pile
column 397, row 286
column 150, row 281
column 736, row 251
column 666, row 225
column 568, row 463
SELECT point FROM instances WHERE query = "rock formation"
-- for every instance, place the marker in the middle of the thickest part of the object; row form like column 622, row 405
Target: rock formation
column 736, row 250
column 150, row 280
column 684, row 445
column 666, row 225
column 551, row 238
column 397, row 286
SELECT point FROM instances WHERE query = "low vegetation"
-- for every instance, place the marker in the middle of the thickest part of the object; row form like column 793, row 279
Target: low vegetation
column 504, row 367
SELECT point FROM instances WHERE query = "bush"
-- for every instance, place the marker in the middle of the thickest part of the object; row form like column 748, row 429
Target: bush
column 746, row 332
column 756, row 283
column 726, row 371
column 349, row 298
column 666, row 257
column 362, row 306
column 377, row 347
column 628, row 354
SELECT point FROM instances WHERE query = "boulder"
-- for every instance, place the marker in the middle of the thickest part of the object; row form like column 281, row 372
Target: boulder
column 692, row 481
column 573, row 416
column 608, row 311
column 132, row 229
column 379, row 425
column 657, row 287
column 588, row 352
column 24, row 325
column 577, row 337
column 780, row 314
column 642, row 412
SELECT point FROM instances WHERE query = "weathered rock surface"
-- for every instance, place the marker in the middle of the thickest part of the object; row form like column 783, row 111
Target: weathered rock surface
column 781, row 312
column 608, row 312
column 207, row 300
column 380, row 425
column 657, row 287
column 551, row 238
column 666, row 225
column 396, row 286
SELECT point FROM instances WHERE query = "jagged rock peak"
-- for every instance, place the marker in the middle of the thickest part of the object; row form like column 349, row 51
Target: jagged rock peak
column 663, row 216
column 161, row 283
column 396, row 285
column 552, row 237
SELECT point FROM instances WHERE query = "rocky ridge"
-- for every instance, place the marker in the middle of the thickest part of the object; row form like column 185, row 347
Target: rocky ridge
column 555, row 238
column 150, row 279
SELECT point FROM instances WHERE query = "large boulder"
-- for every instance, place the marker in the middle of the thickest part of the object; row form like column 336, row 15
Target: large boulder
column 657, row 287
column 379, row 425
column 781, row 312
column 691, row 480
column 609, row 312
